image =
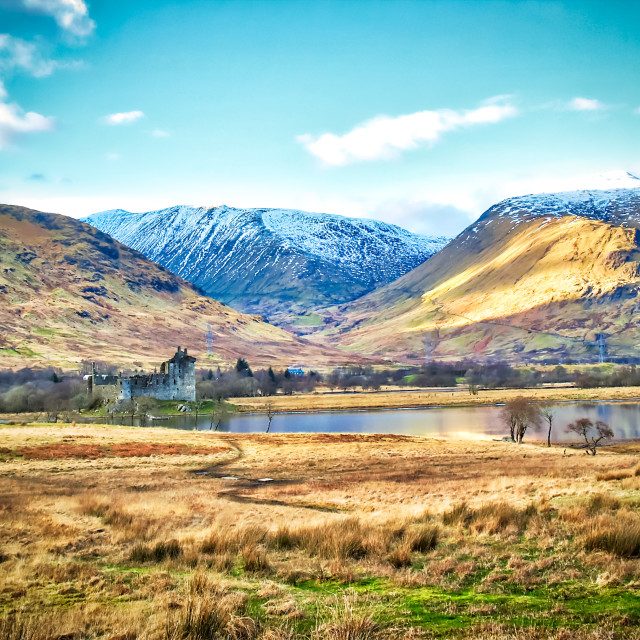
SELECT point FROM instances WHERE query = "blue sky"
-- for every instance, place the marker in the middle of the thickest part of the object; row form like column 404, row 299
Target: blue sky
column 419, row 113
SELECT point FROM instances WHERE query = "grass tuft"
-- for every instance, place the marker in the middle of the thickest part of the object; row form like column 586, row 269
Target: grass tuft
column 620, row 536
column 157, row 553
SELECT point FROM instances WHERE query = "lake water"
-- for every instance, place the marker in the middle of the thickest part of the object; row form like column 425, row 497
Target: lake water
column 622, row 417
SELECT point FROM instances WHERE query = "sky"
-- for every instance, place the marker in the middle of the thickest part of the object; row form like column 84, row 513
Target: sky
column 420, row 113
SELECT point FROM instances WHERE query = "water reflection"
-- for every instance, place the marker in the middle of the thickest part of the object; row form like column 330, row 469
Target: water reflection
column 623, row 418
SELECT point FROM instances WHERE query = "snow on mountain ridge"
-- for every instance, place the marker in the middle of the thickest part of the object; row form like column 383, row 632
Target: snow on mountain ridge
column 246, row 256
column 616, row 205
column 309, row 231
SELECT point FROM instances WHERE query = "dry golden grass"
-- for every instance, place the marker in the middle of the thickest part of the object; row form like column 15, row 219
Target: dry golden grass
column 420, row 398
column 193, row 543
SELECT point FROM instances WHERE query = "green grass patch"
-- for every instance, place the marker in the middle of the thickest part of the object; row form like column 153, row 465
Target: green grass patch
column 444, row 612
column 307, row 320
column 44, row 332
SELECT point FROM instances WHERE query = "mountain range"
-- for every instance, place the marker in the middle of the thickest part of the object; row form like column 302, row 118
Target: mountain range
column 70, row 292
column 545, row 277
column 275, row 262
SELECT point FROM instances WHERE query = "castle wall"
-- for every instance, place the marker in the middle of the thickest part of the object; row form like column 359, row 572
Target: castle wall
column 176, row 381
column 176, row 385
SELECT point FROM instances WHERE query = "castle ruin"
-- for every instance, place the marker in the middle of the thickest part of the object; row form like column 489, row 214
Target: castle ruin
column 176, row 381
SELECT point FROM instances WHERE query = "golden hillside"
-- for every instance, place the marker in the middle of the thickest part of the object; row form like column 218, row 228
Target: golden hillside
column 537, row 287
column 69, row 292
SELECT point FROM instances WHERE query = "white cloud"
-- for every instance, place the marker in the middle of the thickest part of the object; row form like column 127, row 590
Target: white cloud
column 386, row 137
column 70, row 15
column 126, row 117
column 15, row 122
column 585, row 104
column 159, row 133
column 112, row 156
column 20, row 55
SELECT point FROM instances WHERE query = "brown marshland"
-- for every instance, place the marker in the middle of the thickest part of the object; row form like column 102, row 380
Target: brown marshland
column 118, row 532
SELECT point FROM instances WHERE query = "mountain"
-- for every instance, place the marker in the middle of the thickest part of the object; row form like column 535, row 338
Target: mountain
column 537, row 277
column 70, row 292
column 271, row 261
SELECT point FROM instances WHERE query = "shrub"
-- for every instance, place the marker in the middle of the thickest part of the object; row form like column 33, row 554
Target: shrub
column 347, row 623
column 283, row 538
column 344, row 538
column 614, row 475
column 202, row 619
column 226, row 539
column 459, row 514
column 602, row 502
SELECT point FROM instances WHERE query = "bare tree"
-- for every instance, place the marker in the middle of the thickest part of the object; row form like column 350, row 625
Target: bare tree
column 271, row 412
column 546, row 412
column 196, row 406
column 521, row 414
column 333, row 380
column 592, row 433
column 110, row 412
column 53, row 406
column 219, row 413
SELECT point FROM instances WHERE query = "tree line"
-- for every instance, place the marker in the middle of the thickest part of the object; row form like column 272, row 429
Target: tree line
column 52, row 390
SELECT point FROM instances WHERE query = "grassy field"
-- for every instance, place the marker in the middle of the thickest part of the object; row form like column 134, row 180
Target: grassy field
column 338, row 401
column 124, row 533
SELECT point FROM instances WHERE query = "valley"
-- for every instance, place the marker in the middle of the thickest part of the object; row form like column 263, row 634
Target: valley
column 319, row 320
column 540, row 278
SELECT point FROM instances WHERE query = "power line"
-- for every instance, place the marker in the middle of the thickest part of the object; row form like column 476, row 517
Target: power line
column 209, row 338
column 603, row 348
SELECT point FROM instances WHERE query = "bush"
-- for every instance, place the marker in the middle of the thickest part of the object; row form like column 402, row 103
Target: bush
column 254, row 560
column 224, row 539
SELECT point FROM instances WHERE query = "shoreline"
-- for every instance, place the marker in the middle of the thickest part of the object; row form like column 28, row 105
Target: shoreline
column 427, row 399
column 330, row 402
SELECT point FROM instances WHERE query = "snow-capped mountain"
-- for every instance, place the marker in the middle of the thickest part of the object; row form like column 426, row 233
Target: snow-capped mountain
column 618, row 202
column 535, row 277
column 271, row 260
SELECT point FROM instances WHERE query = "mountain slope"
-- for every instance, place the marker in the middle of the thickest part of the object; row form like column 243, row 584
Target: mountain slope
column 271, row 261
column 537, row 277
column 70, row 292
